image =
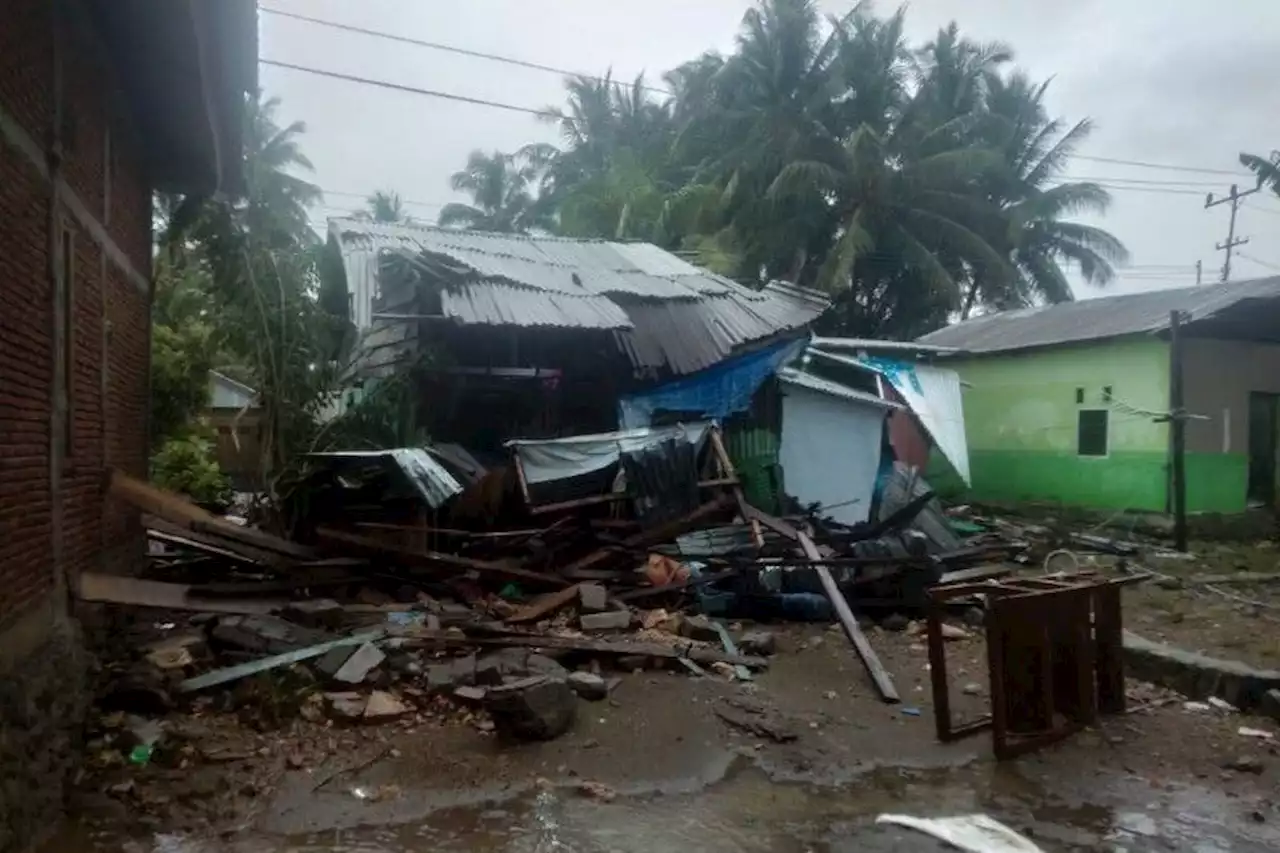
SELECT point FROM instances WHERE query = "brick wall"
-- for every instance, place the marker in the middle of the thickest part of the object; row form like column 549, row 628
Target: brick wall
column 51, row 529
column 107, row 325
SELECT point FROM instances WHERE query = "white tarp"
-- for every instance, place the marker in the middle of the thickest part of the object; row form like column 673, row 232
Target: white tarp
column 933, row 393
column 561, row 458
column 831, row 442
column 975, row 833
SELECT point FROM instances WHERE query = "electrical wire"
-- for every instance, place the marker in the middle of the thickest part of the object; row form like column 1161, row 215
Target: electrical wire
column 1142, row 164
column 400, row 87
column 461, row 51
column 1258, row 261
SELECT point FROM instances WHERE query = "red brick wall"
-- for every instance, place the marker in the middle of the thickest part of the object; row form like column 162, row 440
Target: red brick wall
column 107, row 325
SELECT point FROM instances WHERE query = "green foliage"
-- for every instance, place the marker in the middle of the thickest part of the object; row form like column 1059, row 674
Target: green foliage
column 910, row 182
column 180, row 364
column 188, row 465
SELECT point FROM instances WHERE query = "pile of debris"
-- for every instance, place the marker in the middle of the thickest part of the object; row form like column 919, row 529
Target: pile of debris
column 419, row 580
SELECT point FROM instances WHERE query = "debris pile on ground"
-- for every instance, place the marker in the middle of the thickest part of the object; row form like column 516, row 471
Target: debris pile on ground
column 417, row 587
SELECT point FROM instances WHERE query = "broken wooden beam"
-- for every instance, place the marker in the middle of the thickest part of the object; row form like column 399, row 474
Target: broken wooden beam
column 879, row 675
column 544, row 605
column 654, row 535
column 117, row 589
column 436, row 559
column 178, row 510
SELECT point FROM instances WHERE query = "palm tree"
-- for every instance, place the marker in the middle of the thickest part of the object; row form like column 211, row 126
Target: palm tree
column 499, row 185
column 277, row 198
column 1034, row 203
column 385, row 206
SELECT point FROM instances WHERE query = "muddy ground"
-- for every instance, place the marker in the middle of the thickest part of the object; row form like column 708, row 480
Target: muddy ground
column 656, row 768
column 1230, row 618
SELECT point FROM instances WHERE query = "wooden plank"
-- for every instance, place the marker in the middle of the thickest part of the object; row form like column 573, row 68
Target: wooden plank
column 115, row 589
column 181, row 537
column 978, row 573
column 182, row 512
column 436, row 559
column 879, row 675
column 726, row 465
column 654, row 535
column 544, row 605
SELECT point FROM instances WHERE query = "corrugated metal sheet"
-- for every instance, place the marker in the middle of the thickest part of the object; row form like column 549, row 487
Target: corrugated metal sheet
column 667, row 314
column 495, row 304
column 1096, row 319
column 429, row 478
column 687, row 337
column 800, row 379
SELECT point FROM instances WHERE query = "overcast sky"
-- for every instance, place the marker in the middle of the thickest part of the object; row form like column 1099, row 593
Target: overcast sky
column 1184, row 82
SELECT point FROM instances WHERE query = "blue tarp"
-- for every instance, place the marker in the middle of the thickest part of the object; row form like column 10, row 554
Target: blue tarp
column 716, row 392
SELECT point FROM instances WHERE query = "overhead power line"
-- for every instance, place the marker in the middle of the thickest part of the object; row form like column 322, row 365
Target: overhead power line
column 1166, row 166
column 461, row 51
column 1259, row 261
column 399, row 87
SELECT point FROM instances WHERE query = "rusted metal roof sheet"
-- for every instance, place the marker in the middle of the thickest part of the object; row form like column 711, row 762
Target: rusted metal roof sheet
column 1097, row 319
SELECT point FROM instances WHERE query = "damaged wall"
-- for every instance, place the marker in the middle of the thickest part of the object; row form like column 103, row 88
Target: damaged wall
column 1021, row 417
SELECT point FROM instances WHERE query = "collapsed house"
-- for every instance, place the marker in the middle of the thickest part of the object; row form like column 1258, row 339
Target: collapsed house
column 538, row 337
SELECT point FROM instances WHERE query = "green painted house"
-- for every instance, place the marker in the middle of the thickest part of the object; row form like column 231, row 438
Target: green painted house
column 1069, row 403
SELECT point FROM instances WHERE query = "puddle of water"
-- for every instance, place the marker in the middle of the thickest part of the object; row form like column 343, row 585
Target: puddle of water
column 747, row 813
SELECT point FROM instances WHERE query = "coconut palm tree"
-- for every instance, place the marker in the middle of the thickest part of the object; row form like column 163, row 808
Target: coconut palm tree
column 500, row 189
column 1035, row 232
column 385, row 206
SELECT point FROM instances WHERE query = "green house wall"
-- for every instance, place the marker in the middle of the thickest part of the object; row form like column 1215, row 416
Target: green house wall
column 1020, row 414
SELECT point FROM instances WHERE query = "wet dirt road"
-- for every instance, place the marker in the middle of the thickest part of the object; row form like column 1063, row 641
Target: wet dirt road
column 1151, row 781
column 746, row 812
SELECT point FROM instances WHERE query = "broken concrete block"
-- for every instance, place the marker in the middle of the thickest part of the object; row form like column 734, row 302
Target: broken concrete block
column 536, row 708
column 593, row 597
column 699, row 628
column 588, row 686
column 266, row 635
column 610, row 620
column 316, row 613
column 383, row 706
column 348, row 706
column 363, row 660
column 758, row 643
column 470, row 694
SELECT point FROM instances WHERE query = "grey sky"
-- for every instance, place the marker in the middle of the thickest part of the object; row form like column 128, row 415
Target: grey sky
column 1167, row 81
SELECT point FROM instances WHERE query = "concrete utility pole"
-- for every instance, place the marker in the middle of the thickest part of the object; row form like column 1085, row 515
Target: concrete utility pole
column 1199, row 271
column 1234, row 199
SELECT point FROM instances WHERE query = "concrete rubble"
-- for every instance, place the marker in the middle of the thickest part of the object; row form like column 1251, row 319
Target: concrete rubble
column 506, row 625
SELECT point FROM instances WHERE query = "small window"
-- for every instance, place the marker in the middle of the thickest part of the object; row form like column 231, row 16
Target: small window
column 1079, row 395
column 1091, row 432
column 1106, row 393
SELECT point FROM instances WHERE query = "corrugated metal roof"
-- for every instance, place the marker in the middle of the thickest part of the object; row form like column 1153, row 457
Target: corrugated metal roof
column 800, row 379
column 430, row 479
column 691, row 336
column 1096, row 319
column 498, row 304
column 666, row 313
column 557, row 264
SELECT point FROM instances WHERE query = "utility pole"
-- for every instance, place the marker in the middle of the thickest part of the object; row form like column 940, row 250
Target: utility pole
column 1234, row 200
column 1199, row 271
column 1177, row 433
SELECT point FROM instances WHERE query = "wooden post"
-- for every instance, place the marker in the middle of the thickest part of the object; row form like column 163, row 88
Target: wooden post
column 1178, row 433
